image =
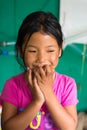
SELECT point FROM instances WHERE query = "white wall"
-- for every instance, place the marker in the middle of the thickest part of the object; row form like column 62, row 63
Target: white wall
column 73, row 18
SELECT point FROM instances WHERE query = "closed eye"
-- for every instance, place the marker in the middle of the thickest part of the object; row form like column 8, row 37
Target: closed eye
column 50, row 50
column 32, row 51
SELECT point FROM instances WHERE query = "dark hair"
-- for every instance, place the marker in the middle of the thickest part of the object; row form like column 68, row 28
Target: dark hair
column 35, row 22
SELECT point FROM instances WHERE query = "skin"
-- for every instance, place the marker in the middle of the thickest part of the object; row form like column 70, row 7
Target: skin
column 41, row 57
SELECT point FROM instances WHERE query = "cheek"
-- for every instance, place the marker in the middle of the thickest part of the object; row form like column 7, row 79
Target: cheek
column 54, row 60
column 28, row 60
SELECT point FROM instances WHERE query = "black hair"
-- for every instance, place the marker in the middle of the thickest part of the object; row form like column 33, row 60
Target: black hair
column 35, row 22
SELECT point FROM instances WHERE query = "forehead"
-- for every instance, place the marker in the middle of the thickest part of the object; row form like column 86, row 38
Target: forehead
column 40, row 38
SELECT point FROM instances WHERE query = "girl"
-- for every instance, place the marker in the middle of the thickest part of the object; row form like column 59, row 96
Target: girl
column 39, row 98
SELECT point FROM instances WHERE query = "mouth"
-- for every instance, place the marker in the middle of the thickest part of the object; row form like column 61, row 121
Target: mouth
column 41, row 64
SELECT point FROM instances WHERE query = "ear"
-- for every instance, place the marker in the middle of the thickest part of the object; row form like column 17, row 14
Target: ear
column 62, row 45
column 61, row 50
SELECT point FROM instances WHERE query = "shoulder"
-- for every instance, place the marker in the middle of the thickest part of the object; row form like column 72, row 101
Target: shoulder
column 15, row 79
column 64, row 83
column 67, row 88
column 64, row 79
column 14, row 82
column 12, row 89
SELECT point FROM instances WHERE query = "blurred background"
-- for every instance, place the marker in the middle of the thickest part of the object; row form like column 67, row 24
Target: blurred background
column 72, row 15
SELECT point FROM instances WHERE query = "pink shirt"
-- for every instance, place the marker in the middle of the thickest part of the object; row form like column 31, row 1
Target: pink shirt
column 16, row 91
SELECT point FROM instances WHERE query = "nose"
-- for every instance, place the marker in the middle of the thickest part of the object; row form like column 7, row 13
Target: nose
column 41, row 57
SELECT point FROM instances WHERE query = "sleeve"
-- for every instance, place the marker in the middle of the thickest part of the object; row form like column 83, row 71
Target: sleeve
column 69, row 94
column 9, row 93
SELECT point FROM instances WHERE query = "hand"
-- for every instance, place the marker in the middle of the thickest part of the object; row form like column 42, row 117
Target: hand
column 45, row 79
column 35, row 89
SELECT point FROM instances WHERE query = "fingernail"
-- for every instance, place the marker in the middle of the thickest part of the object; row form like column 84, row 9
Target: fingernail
column 28, row 68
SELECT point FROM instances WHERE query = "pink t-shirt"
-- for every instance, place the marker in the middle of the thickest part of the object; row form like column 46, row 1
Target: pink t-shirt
column 16, row 91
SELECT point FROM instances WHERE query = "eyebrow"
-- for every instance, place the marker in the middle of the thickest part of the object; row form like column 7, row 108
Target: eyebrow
column 46, row 46
column 31, row 46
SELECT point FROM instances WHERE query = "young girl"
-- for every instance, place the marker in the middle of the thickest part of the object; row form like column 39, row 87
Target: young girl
column 39, row 98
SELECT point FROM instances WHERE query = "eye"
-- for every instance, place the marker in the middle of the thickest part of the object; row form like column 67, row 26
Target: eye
column 50, row 50
column 32, row 51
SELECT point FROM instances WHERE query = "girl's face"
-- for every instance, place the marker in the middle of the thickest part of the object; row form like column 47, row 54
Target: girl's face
column 41, row 49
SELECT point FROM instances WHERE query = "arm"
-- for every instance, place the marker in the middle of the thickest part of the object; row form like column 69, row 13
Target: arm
column 64, row 117
column 11, row 120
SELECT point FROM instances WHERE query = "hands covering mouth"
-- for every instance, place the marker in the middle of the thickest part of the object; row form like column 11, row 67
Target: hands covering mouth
column 44, row 66
column 41, row 79
column 41, row 69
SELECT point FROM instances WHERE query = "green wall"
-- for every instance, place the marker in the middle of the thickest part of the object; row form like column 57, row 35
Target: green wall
column 12, row 13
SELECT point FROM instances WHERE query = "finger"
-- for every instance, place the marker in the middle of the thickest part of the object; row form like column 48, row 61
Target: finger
column 37, row 73
column 35, row 83
column 30, row 77
column 48, row 69
column 27, row 68
column 42, row 71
